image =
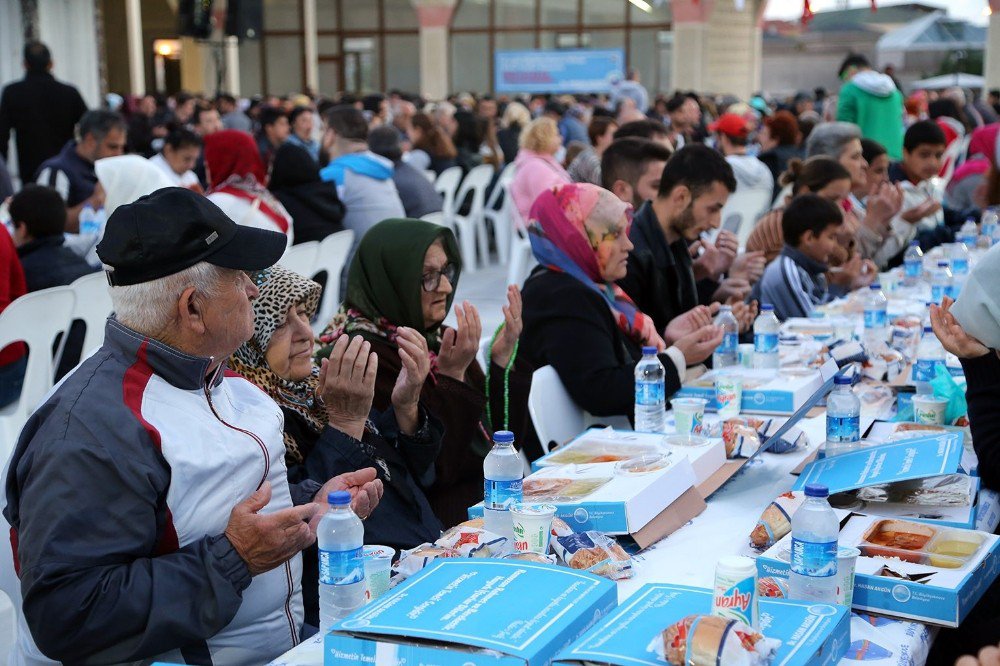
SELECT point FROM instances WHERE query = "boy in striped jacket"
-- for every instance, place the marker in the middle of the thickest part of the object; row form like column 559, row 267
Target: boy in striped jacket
column 795, row 282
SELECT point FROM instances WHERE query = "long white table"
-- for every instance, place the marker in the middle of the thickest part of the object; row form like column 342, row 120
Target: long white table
column 688, row 556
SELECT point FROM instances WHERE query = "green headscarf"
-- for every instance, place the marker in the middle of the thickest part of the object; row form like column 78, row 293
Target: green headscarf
column 384, row 281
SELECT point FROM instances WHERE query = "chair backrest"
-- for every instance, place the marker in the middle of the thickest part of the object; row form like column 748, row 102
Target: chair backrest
column 749, row 204
column 476, row 182
column 36, row 319
column 446, row 185
column 331, row 257
column 555, row 416
column 301, row 258
column 439, row 218
column 499, row 190
column 954, row 156
column 93, row 306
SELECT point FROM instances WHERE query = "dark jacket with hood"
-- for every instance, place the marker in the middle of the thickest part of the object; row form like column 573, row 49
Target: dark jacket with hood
column 315, row 208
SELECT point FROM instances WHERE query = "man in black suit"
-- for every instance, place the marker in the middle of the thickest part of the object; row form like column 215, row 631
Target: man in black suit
column 41, row 111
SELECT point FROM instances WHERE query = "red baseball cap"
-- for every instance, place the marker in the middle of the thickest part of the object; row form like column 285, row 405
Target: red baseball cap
column 731, row 124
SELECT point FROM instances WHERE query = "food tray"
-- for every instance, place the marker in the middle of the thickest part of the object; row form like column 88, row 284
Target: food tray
column 920, row 544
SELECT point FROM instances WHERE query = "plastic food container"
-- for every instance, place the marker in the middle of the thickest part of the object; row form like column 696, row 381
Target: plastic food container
column 643, row 464
column 920, row 544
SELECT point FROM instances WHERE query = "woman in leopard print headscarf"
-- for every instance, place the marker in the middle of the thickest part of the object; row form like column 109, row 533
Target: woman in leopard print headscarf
column 278, row 359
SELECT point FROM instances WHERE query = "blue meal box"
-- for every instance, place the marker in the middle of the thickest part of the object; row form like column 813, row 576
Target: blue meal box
column 814, row 634
column 764, row 391
column 474, row 611
column 919, row 584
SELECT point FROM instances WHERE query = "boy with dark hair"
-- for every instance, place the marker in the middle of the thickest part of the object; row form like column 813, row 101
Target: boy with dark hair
column 274, row 131
column 662, row 278
column 923, row 214
column 795, row 282
column 178, row 158
column 631, row 169
column 38, row 214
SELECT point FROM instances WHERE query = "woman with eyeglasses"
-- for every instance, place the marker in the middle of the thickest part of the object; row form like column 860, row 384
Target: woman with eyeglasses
column 405, row 274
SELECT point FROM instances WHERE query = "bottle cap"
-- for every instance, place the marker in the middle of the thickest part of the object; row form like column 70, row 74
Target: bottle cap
column 503, row 437
column 840, row 380
column 338, row 498
column 875, row 286
column 914, row 243
column 726, row 308
column 646, row 351
column 928, row 329
column 942, row 264
column 817, row 490
column 766, row 307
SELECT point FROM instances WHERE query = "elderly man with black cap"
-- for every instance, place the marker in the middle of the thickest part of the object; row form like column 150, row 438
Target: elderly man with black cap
column 152, row 518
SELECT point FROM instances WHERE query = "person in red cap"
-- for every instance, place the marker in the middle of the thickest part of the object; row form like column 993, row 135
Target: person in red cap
column 732, row 133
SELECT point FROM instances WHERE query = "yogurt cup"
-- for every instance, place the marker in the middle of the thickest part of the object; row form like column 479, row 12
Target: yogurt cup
column 688, row 414
column 729, row 395
column 847, row 559
column 928, row 409
column 378, row 560
column 532, row 526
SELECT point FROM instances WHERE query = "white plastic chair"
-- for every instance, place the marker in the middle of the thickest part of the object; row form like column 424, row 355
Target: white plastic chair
column 331, row 257
column 555, row 416
column 472, row 226
column 301, row 258
column 439, row 218
column 36, row 319
column 953, row 156
column 430, row 175
column 748, row 205
column 522, row 259
column 93, row 306
column 447, row 185
column 502, row 219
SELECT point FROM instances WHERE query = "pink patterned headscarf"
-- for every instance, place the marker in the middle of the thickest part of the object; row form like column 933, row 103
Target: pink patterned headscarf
column 572, row 228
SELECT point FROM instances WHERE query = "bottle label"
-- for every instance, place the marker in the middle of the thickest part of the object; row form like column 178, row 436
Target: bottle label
column 341, row 567
column 765, row 343
column 914, row 268
column 499, row 495
column 924, row 370
column 649, row 393
column 938, row 292
column 734, row 599
column 876, row 319
column 960, row 266
column 814, row 559
column 843, row 429
column 729, row 345
column 952, row 291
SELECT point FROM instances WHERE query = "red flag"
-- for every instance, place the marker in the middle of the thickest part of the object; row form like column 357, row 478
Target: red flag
column 807, row 12
column 874, row 8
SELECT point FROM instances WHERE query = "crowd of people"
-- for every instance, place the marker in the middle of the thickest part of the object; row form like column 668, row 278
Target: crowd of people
column 198, row 443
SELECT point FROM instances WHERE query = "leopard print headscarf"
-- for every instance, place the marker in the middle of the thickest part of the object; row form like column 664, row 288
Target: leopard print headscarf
column 280, row 289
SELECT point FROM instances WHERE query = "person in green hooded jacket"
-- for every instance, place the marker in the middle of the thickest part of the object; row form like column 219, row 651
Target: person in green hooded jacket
column 871, row 100
column 405, row 274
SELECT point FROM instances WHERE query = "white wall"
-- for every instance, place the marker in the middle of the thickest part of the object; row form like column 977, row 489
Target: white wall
column 67, row 28
column 11, row 42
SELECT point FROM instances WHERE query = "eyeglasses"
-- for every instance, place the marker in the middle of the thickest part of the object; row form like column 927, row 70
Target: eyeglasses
column 432, row 280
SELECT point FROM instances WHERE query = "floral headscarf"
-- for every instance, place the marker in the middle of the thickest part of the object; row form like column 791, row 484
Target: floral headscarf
column 572, row 228
column 280, row 289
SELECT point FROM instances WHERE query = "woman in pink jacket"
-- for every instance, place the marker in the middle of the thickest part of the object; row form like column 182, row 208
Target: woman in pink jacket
column 537, row 169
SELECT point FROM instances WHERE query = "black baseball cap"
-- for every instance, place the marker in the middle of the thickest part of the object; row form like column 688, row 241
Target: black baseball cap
column 174, row 228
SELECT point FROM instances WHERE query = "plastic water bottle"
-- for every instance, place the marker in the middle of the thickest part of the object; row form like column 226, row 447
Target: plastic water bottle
column 340, row 537
column 727, row 354
column 876, row 317
column 502, row 473
column 968, row 234
column 930, row 354
column 650, row 393
column 815, row 530
column 913, row 263
column 941, row 282
column 843, row 419
column 91, row 221
column 765, row 338
column 959, row 255
column 988, row 228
